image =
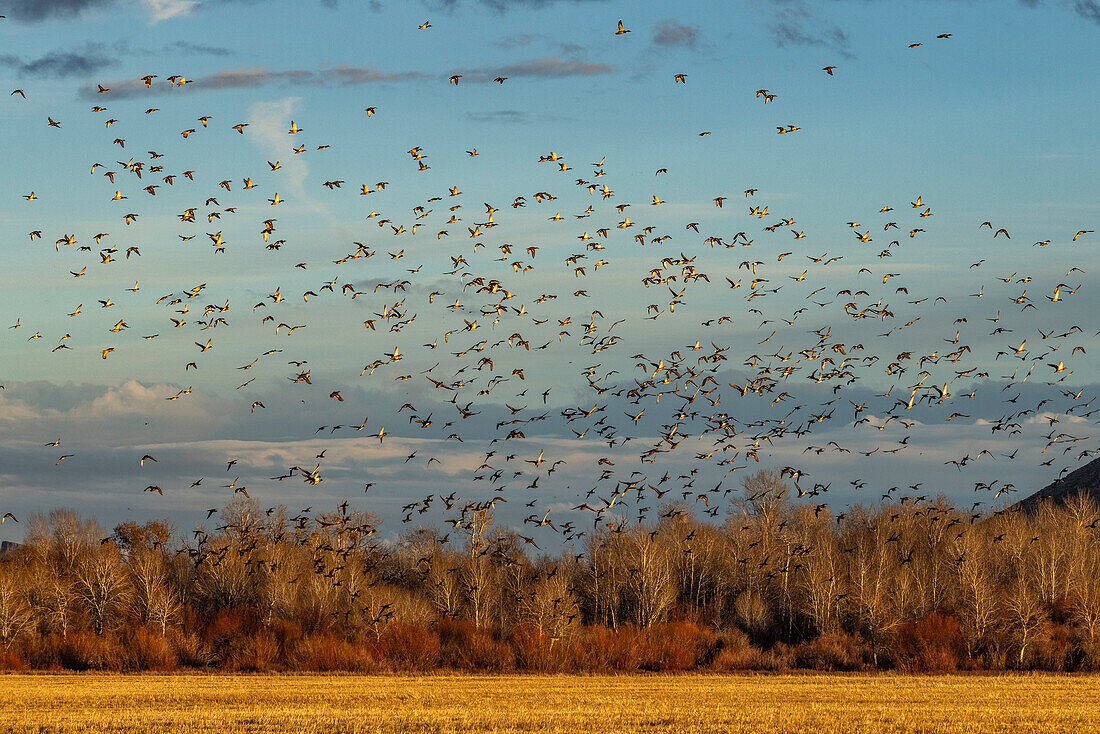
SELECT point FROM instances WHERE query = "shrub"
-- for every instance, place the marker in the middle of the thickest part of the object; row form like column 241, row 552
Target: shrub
column 1052, row 649
column 609, row 650
column 324, row 652
column 191, row 651
column 409, row 647
column 228, row 624
column 1089, row 648
column 465, row 647
column 830, row 651
column 932, row 644
column 533, row 649
column 677, row 646
column 69, row 652
column 255, row 654
column 227, row 633
column 11, row 660
column 777, row 659
column 287, row 635
column 147, row 650
column 734, row 651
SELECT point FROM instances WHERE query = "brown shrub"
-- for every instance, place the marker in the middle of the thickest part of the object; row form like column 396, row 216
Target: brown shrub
column 465, row 647
column 1089, row 648
column 228, row 624
column 777, row 659
column 147, row 650
column 11, row 660
column 257, row 653
column 70, row 652
column 936, row 660
column 409, row 647
column 1052, row 649
column 325, row 652
column 830, row 651
column 604, row 650
column 575, row 653
column 734, row 651
column 287, row 635
column 677, row 646
column 932, row 644
column 228, row 635
column 533, row 649
column 191, row 651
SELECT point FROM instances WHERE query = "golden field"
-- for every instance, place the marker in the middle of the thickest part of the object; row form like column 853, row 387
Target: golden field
column 324, row 704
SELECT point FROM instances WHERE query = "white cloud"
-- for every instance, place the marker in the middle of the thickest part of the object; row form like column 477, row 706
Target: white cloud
column 164, row 9
column 269, row 125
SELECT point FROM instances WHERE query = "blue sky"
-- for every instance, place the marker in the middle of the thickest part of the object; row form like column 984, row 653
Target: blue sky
column 994, row 124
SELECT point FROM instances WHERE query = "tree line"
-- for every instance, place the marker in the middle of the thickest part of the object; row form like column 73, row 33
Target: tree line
column 915, row 584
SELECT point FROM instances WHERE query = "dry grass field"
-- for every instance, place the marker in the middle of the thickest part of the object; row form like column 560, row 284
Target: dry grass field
column 325, row 704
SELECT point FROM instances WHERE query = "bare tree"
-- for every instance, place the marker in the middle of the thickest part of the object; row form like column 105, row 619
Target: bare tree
column 649, row 576
column 976, row 605
column 477, row 576
column 101, row 584
column 872, row 563
column 16, row 615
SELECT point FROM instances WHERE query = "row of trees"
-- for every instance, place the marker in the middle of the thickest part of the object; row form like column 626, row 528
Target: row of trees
column 918, row 584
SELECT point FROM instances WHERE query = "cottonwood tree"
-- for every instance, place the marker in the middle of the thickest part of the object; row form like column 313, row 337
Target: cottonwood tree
column 871, row 566
column 649, row 585
column 821, row 583
column 701, row 567
column 549, row 602
column 1083, row 583
column 152, row 577
column 477, row 571
column 1049, row 552
column 222, row 579
column 976, row 603
column 101, row 584
column 56, row 542
column 16, row 615
column 444, row 587
column 1021, row 569
column 604, row 578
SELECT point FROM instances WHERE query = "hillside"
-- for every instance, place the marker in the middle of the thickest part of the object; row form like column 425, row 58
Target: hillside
column 1086, row 479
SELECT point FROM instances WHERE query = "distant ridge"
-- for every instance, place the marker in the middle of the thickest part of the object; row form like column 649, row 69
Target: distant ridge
column 8, row 546
column 1086, row 479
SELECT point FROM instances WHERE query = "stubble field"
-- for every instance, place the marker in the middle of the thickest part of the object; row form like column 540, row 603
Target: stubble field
column 181, row 704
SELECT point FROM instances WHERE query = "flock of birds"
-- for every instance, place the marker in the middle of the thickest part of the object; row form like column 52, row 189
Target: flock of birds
column 747, row 378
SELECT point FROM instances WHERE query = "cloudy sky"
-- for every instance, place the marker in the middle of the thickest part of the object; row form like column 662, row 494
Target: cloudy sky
column 500, row 276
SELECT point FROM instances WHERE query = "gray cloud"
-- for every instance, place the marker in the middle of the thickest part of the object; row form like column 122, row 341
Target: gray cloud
column 671, row 33
column 95, row 57
column 522, row 39
column 798, row 26
column 57, row 64
column 39, row 10
column 198, row 49
column 509, row 116
column 1088, row 9
column 260, row 77
column 504, row 5
column 35, row 11
column 512, row 117
column 544, row 66
column 553, row 66
column 343, row 75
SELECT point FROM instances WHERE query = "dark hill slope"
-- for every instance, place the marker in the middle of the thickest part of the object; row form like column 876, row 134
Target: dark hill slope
column 1086, row 479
